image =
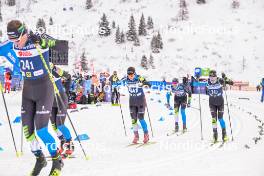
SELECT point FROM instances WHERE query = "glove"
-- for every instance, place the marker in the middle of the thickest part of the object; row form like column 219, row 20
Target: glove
column 141, row 79
column 35, row 38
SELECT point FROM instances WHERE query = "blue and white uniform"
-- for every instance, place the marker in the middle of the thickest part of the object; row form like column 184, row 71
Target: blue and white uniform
column 37, row 95
column 137, row 101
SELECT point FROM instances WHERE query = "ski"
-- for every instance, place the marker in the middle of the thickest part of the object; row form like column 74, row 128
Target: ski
column 85, row 107
column 49, row 158
column 133, row 144
column 175, row 133
column 145, row 144
column 222, row 144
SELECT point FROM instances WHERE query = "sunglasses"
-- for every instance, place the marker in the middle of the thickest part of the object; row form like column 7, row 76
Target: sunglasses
column 130, row 73
column 16, row 40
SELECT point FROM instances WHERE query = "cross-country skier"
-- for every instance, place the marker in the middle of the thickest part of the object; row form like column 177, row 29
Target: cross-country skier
column 37, row 95
column 58, row 114
column 216, row 103
column 262, row 85
column 114, row 85
column 137, row 102
column 181, row 100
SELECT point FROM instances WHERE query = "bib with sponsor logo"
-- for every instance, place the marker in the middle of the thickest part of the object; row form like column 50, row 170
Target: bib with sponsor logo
column 31, row 64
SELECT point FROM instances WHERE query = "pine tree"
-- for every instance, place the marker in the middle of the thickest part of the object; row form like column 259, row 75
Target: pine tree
column 235, row 4
column 104, row 29
column 144, row 62
column 118, row 36
column 50, row 21
column 183, row 13
column 113, row 25
column 150, row 23
column 1, row 17
column 151, row 61
column 136, row 41
column 11, row 2
column 122, row 37
column 201, row 2
column 41, row 26
column 142, row 26
column 131, row 33
column 89, row 4
column 154, row 45
column 159, row 41
column 84, row 62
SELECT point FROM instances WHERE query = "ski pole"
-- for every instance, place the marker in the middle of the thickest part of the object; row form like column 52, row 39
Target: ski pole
column 200, row 109
column 56, row 91
column 149, row 118
column 230, row 123
column 122, row 117
column 22, row 140
column 8, row 117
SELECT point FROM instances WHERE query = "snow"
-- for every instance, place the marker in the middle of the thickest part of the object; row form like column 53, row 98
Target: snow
column 171, row 155
column 215, row 36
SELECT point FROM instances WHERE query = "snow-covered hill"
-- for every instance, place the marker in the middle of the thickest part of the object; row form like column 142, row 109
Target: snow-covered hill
column 215, row 35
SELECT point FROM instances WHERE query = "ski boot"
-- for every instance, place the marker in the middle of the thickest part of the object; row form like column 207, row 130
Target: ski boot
column 184, row 128
column 67, row 149
column 57, row 164
column 136, row 137
column 40, row 164
column 215, row 136
column 224, row 135
column 62, row 142
column 176, row 127
column 146, row 138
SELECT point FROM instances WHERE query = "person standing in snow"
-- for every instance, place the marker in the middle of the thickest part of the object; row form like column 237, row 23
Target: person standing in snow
column 137, row 102
column 114, row 83
column 216, row 103
column 37, row 94
column 180, row 91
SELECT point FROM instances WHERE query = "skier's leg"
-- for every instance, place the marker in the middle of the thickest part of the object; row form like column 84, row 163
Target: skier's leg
column 42, row 115
column 222, row 121
column 213, row 110
column 133, row 114
column 27, row 115
column 183, row 114
column 141, row 113
column 61, row 116
column 176, row 116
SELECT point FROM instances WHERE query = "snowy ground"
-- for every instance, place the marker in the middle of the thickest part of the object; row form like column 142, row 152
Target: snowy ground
column 173, row 155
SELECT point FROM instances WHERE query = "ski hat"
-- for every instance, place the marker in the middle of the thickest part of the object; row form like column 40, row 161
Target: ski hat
column 212, row 73
column 175, row 81
column 115, row 73
column 131, row 70
column 15, row 29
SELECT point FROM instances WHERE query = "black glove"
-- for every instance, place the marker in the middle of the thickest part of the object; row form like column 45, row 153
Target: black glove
column 35, row 38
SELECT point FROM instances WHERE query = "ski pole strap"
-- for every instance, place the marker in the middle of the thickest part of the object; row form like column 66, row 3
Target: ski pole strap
column 48, row 70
